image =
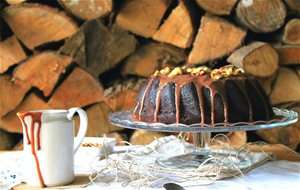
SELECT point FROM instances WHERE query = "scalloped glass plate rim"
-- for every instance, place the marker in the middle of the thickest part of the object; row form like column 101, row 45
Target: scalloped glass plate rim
column 123, row 119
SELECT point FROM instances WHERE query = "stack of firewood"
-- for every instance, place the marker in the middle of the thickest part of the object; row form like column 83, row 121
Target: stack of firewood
column 95, row 54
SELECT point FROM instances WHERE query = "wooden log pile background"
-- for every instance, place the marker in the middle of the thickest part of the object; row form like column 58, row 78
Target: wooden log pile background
column 95, row 54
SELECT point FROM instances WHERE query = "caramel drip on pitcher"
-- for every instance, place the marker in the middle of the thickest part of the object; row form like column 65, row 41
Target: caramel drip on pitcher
column 34, row 139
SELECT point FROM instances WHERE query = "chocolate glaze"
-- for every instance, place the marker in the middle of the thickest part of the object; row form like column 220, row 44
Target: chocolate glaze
column 33, row 139
column 236, row 86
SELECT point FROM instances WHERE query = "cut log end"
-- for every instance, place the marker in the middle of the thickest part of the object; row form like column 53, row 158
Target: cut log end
column 11, row 53
column 211, row 42
column 43, row 70
column 291, row 33
column 11, row 122
column 10, row 87
column 178, row 29
column 53, row 26
column 258, row 59
column 261, row 16
column 98, row 48
column 286, row 87
column 78, row 90
column 288, row 55
column 87, row 10
column 142, row 17
column 151, row 57
column 217, row 7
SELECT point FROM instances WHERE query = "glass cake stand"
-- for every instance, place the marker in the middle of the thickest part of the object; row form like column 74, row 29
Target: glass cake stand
column 201, row 133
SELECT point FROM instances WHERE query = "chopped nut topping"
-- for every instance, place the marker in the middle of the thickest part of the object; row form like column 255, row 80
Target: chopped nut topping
column 225, row 71
column 198, row 71
column 175, row 72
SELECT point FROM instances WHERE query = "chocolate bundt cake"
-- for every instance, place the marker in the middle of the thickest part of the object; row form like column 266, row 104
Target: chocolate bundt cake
column 199, row 95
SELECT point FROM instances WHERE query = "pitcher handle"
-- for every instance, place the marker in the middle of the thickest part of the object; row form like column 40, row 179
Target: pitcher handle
column 82, row 126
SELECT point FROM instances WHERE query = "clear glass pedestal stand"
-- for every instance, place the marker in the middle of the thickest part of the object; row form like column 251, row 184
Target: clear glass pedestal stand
column 201, row 133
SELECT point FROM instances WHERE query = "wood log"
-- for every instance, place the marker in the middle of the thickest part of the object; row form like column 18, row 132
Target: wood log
column 258, row 59
column 235, row 139
column 122, row 96
column 286, row 87
column 289, row 135
column 298, row 70
column 19, row 145
column 12, row 92
column 119, row 138
column 78, row 90
column 267, row 83
column 288, row 55
column 178, row 29
column 43, row 70
column 7, row 140
column 293, row 4
column 151, row 57
column 212, row 40
column 87, row 10
column 291, row 34
column 13, row 2
column 281, row 152
column 98, row 120
column 141, row 137
column 36, row 24
column 217, row 7
column 98, row 48
column 261, row 16
column 142, row 17
column 11, row 53
column 11, row 123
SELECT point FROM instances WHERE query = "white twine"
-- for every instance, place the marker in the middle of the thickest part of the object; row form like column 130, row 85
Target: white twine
column 129, row 169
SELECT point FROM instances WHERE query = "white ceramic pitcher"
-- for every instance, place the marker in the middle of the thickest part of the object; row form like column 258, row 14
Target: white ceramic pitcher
column 49, row 145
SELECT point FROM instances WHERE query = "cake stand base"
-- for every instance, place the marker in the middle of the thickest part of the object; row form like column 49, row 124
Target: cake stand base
column 200, row 155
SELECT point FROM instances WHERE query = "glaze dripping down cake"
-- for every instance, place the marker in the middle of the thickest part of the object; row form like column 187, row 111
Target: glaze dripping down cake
column 200, row 95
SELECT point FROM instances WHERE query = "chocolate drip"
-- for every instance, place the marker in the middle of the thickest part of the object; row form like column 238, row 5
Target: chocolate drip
column 216, row 87
column 242, row 86
column 201, row 102
column 35, row 145
column 143, row 98
column 212, row 95
column 177, row 101
column 223, row 95
column 262, row 97
column 158, row 99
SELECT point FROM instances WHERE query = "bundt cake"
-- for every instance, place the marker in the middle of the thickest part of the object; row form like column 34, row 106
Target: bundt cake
column 200, row 95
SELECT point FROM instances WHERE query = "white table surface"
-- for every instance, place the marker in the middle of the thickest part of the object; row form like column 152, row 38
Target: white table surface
column 281, row 175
